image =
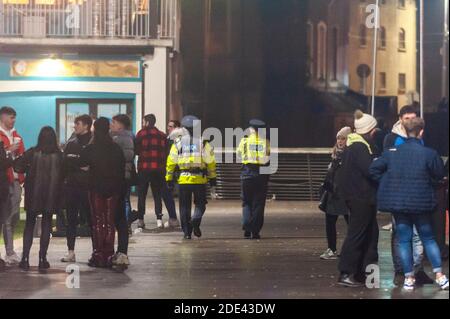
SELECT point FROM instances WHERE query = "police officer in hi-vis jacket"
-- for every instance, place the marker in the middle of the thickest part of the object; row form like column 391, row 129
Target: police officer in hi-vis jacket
column 254, row 153
column 197, row 166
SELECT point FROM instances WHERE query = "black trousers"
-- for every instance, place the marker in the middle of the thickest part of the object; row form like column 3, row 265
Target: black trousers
column 200, row 201
column 330, row 226
column 254, row 193
column 78, row 212
column 120, row 220
column 156, row 182
column 360, row 247
column 46, row 227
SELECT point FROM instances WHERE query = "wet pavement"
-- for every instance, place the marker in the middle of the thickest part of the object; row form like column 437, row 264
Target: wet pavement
column 284, row 264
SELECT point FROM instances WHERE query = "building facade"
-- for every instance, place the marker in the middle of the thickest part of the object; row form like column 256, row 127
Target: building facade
column 63, row 58
column 341, row 43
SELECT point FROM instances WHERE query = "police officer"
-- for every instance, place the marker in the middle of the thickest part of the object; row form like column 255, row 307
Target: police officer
column 197, row 166
column 254, row 152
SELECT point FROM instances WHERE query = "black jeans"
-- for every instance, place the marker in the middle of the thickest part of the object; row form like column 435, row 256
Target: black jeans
column 78, row 212
column 330, row 225
column 254, row 193
column 158, row 186
column 360, row 247
column 121, row 222
column 186, row 193
column 46, row 227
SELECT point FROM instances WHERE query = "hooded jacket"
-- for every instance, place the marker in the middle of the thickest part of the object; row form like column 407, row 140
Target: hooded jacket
column 356, row 160
column 396, row 137
column 125, row 139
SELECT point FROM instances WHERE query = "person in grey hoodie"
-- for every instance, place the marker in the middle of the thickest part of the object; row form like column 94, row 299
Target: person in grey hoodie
column 123, row 136
column 396, row 138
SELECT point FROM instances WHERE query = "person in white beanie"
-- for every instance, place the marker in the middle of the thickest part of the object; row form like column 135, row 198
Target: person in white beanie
column 360, row 247
column 332, row 202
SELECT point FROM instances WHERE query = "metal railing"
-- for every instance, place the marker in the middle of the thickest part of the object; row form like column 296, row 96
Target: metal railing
column 300, row 174
column 89, row 18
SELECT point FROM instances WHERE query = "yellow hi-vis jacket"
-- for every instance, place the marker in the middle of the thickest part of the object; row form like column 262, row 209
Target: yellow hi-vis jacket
column 195, row 160
column 254, row 150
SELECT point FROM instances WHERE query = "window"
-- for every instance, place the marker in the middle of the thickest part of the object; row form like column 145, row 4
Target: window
column 402, row 39
column 335, row 40
column 362, row 35
column 402, row 83
column 382, row 40
column 382, row 84
column 310, row 40
column 322, row 51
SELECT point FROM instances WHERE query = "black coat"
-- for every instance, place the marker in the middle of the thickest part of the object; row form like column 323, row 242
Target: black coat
column 106, row 162
column 356, row 181
column 333, row 183
column 5, row 163
column 43, row 181
column 75, row 176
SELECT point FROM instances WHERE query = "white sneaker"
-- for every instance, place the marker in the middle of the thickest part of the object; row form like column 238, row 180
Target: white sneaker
column 387, row 227
column 329, row 255
column 120, row 259
column 14, row 259
column 69, row 258
column 409, row 283
column 159, row 223
column 442, row 282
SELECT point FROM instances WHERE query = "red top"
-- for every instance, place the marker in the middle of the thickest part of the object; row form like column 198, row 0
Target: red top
column 151, row 147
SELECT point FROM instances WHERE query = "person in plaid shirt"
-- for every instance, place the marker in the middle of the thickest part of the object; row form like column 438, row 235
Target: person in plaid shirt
column 151, row 148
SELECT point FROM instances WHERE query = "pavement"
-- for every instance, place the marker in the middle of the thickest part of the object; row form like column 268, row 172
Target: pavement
column 283, row 264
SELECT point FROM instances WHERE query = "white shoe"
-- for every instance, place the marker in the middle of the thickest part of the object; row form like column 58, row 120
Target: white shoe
column 69, row 258
column 387, row 227
column 14, row 259
column 159, row 223
column 329, row 255
column 409, row 283
column 120, row 259
column 442, row 282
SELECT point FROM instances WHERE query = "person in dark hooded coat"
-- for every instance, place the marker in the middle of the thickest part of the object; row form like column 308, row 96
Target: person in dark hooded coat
column 43, row 166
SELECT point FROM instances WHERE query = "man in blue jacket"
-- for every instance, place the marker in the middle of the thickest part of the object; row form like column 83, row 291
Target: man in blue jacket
column 407, row 174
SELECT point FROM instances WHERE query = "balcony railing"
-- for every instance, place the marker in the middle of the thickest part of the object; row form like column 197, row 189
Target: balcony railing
column 106, row 19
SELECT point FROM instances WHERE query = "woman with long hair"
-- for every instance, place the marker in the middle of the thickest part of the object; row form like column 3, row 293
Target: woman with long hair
column 43, row 167
column 107, row 188
column 335, row 205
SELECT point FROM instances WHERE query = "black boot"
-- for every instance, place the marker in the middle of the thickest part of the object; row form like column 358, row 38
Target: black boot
column 43, row 263
column 423, row 279
column 196, row 226
column 247, row 235
column 24, row 264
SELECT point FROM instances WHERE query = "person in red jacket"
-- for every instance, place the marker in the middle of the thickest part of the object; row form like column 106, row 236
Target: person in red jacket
column 14, row 147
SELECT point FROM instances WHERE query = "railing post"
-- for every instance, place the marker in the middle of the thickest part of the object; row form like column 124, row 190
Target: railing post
column 153, row 19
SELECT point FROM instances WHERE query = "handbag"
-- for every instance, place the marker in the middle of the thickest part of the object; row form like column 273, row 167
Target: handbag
column 323, row 201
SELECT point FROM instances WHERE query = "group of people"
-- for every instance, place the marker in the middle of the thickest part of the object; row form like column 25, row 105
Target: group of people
column 400, row 179
column 91, row 177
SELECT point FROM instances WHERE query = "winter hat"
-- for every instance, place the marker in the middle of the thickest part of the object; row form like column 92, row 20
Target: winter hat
column 344, row 132
column 189, row 121
column 102, row 126
column 364, row 123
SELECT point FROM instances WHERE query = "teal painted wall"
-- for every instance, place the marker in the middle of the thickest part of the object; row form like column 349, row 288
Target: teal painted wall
column 38, row 109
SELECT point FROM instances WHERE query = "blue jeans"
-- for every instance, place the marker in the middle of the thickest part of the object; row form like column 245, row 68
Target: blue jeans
column 417, row 248
column 405, row 225
column 128, row 202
